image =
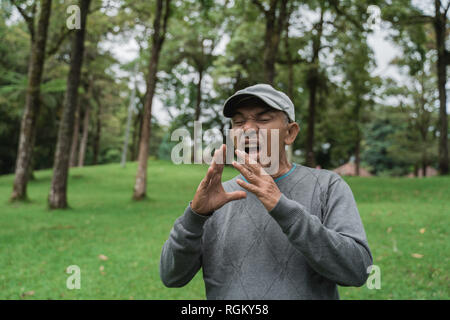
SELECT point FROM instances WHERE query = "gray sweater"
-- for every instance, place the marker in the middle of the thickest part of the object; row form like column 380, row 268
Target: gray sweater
column 312, row 240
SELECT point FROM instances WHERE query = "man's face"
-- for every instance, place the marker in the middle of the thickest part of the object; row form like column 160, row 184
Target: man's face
column 253, row 118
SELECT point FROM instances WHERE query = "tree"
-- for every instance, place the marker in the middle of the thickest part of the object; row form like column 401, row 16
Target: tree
column 276, row 16
column 159, row 33
column 355, row 66
column 440, row 21
column 404, row 14
column 195, row 34
column 415, row 143
column 32, row 100
column 385, row 124
column 58, row 191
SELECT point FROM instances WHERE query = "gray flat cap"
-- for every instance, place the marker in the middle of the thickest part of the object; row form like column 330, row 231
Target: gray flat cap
column 274, row 98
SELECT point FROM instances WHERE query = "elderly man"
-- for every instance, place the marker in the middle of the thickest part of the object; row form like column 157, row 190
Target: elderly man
column 293, row 234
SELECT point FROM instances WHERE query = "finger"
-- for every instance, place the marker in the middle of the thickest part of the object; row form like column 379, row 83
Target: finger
column 250, row 161
column 250, row 164
column 243, row 170
column 219, row 158
column 247, row 186
column 242, row 155
column 236, row 195
column 206, row 180
column 217, row 166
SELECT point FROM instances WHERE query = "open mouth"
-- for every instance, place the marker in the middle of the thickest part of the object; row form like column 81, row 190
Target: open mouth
column 252, row 148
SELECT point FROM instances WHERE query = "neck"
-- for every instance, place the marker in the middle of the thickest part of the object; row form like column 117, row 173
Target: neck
column 284, row 166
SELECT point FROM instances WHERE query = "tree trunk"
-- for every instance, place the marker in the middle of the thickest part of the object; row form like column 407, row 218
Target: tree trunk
column 136, row 136
column 357, row 155
column 58, row 191
column 76, row 130
column 312, row 87
column 424, row 168
column 313, row 83
column 197, row 153
column 84, row 137
column 416, row 170
column 269, row 51
column 32, row 104
column 439, row 27
column 274, row 27
column 199, row 95
column 357, row 113
column 290, row 86
column 162, row 13
column 98, row 129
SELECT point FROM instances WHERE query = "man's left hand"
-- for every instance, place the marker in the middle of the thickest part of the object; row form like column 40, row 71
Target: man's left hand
column 261, row 184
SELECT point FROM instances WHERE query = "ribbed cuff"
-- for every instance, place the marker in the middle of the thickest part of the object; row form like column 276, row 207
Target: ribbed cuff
column 286, row 212
column 193, row 221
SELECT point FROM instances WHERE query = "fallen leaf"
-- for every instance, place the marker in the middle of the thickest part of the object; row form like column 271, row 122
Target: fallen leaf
column 417, row 255
column 389, row 230
column 28, row 293
column 422, row 231
column 102, row 268
column 102, row 257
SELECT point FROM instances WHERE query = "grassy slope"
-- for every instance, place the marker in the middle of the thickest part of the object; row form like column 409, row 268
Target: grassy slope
column 37, row 245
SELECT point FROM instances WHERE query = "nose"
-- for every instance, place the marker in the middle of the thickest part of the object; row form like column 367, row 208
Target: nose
column 250, row 125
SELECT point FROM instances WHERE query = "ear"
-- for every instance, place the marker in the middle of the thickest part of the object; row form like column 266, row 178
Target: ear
column 292, row 131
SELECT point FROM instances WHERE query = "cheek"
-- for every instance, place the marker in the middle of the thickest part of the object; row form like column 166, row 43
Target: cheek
column 278, row 139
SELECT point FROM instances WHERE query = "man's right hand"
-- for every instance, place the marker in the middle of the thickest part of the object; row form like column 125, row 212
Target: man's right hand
column 210, row 194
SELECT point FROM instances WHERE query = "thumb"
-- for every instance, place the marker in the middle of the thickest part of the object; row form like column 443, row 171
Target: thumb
column 236, row 195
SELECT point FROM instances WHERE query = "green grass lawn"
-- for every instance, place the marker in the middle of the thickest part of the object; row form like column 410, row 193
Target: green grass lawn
column 406, row 222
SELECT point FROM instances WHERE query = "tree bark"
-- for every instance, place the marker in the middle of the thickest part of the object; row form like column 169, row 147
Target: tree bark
column 76, row 130
column 424, row 166
column 290, row 86
column 136, row 136
column 416, row 170
column 439, row 28
column 269, row 50
column 98, row 129
column 312, row 84
column 199, row 95
column 358, row 154
column 32, row 103
column 312, row 87
column 161, row 17
column 274, row 27
column 58, row 191
column 84, row 137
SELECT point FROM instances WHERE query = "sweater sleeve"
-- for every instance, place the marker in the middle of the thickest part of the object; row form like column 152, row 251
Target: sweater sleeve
column 181, row 253
column 336, row 247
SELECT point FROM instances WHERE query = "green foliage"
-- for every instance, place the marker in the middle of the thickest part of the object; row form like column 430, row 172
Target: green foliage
column 223, row 42
column 378, row 142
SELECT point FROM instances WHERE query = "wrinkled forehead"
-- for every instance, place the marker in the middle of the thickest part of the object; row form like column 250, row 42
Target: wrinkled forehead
column 252, row 107
column 252, row 110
